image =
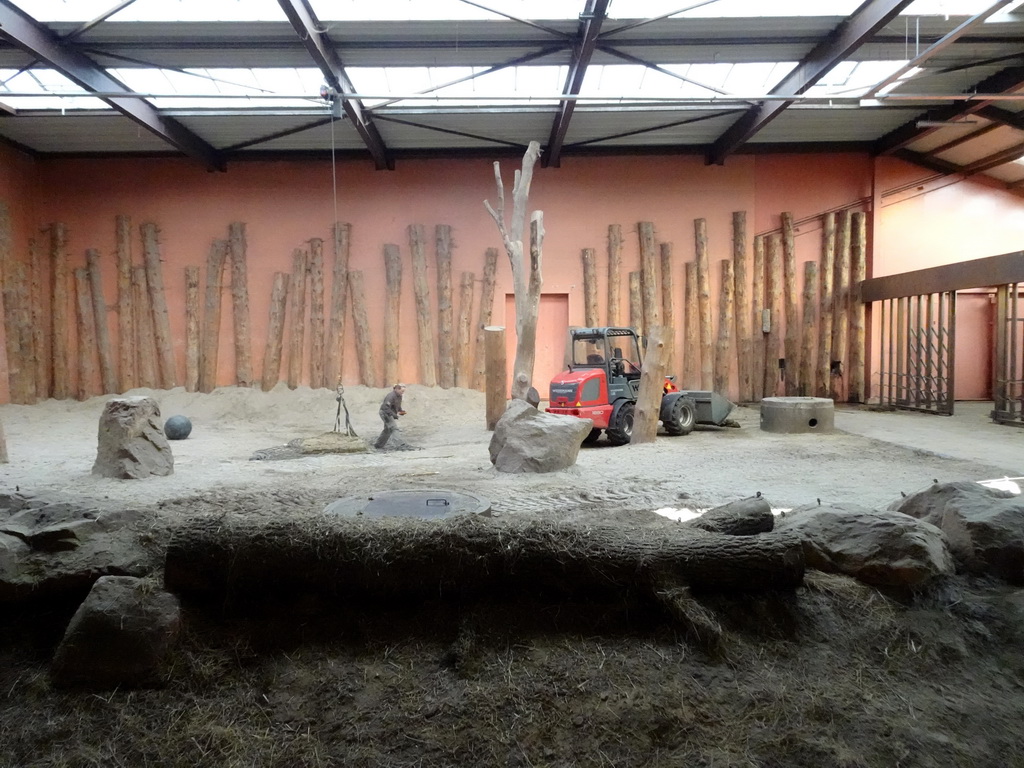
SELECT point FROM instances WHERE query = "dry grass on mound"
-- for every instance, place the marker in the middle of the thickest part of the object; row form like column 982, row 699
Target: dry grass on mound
column 833, row 675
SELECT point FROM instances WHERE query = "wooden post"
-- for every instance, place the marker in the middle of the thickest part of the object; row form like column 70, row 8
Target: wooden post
column 445, row 347
column 636, row 306
column 25, row 333
column 316, row 314
column 590, row 318
column 652, row 380
column 668, row 309
column 841, row 306
column 240, row 304
column 61, row 328
column 496, row 390
column 792, row 308
column 486, row 310
column 297, row 340
column 40, row 320
column 158, row 302
column 364, row 343
column 428, row 367
column 4, row 458
column 614, row 273
column 757, row 306
column 826, row 272
column 392, row 313
column 275, row 331
column 145, row 341
column 650, row 282
column 17, row 330
column 126, row 334
column 339, row 305
column 86, row 336
column 191, row 329
column 211, row 315
column 691, row 324
column 99, row 305
column 858, row 273
column 774, row 301
column 700, row 230
column 723, row 352
column 744, row 342
column 464, row 350
column 809, row 307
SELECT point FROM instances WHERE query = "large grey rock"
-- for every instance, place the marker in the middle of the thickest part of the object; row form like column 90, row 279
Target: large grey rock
column 882, row 548
column 527, row 440
column 120, row 636
column 984, row 526
column 132, row 444
column 56, row 549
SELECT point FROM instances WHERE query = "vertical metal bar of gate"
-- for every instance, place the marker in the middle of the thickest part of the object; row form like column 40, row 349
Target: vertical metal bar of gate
column 1000, row 377
column 901, row 343
column 950, row 356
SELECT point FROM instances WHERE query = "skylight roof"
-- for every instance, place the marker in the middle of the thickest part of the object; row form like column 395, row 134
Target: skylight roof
column 351, row 10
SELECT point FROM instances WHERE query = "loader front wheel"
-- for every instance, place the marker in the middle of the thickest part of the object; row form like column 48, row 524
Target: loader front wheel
column 620, row 428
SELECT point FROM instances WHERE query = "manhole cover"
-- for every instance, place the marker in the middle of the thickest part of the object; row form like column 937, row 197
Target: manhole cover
column 429, row 504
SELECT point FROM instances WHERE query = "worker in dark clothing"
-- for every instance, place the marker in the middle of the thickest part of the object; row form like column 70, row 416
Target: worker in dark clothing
column 390, row 410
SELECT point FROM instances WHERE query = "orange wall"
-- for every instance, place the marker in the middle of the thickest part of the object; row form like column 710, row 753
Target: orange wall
column 285, row 203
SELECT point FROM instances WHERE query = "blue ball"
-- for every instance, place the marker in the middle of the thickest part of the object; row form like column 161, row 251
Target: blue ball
column 177, row 428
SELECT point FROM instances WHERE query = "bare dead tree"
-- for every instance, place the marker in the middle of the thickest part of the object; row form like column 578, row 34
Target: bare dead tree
column 526, row 275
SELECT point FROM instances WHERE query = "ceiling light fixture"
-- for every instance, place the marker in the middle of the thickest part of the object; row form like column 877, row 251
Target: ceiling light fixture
column 942, row 123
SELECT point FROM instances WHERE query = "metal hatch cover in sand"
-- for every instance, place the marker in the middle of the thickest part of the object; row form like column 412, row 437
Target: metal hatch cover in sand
column 426, row 504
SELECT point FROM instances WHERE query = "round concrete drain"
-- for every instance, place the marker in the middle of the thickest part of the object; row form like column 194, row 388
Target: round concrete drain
column 428, row 504
column 791, row 415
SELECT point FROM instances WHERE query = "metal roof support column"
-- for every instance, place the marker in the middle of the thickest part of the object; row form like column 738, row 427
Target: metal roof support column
column 321, row 50
column 843, row 40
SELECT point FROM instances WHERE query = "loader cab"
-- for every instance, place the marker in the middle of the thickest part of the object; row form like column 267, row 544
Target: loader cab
column 615, row 349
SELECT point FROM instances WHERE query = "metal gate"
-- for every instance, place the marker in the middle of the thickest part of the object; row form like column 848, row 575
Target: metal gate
column 917, row 360
column 1008, row 379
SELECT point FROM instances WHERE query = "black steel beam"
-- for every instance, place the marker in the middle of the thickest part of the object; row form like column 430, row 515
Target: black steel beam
column 593, row 16
column 976, row 273
column 926, row 161
column 1005, row 80
column 843, row 40
column 994, row 160
column 321, row 50
column 29, row 35
column 1002, row 116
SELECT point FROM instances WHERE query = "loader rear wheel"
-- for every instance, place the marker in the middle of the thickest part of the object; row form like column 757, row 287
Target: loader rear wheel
column 620, row 427
column 681, row 416
column 595, row 433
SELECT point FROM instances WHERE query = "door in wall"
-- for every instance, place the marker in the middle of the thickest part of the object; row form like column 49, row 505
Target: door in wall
column 974, row 319
column 552, row 328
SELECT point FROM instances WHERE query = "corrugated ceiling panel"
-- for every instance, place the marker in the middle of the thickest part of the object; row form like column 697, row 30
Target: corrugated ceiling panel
column 989, row 144
column 1010, row 173
column 81, row 133
column 940, row 136
column 223, row 131
column 672, row 127
column 426, row 131
column 826, row 125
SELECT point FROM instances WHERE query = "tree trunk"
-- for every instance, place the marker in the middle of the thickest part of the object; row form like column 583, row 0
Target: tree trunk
column 486, row 310
column 108, row 375
column 61, row 328
column 700, row 229
column 445, row 347
column 392, row 312
column 275, row 331
column 497, row 374
column 825, row 275
column 589, row 288
column 211, row 315
column 297, row 341
column 858, row 273
column 841, row 306
column 650, row 283
column 86, row 336
column 158, row 304
column 127, row 354
column 757, row 305
column 668, row 311
column 636, row 304
column 316, row 314
column 361, row 321
column 40, row 320
column 792, row 353
column 463, row 342
column 652, row 380
column 614, row 273
column 145, row 341
column 237, row 558
column 744, row 342
column 691, row 323
column 809, row 310
column 723, row 349
column 191, row 329
column 773, row 298
column 339, row 306
column 428, row 366
column 240, row 305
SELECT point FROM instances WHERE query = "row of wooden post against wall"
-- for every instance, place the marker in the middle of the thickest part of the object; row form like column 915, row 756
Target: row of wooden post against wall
column 776, row 339
column 761, row 319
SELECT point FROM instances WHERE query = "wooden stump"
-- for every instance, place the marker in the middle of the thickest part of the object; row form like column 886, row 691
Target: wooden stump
column 211, row 316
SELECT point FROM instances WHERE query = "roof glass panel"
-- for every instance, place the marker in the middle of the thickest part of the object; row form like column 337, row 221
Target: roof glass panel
column 457, row 86
column 646, row 9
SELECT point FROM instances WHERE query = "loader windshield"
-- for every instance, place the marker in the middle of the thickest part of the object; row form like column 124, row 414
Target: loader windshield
column 589, row 351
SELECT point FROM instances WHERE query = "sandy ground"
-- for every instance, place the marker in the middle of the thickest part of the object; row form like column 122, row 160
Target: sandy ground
column 52, row 446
